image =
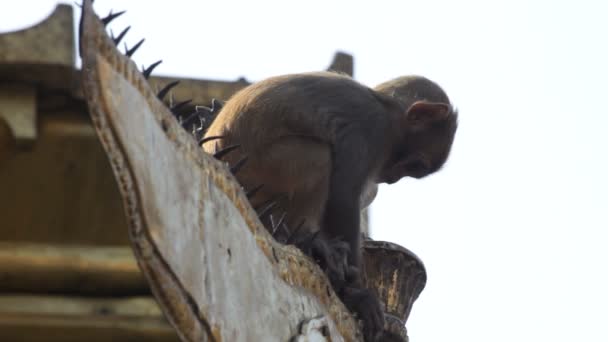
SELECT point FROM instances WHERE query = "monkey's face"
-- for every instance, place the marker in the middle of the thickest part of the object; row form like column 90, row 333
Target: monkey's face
column 415, row 166
column 426, row 143
column 430, row 131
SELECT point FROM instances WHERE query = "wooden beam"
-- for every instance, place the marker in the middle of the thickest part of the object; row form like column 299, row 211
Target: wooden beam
column 48, row 318
column 41, row 268
column 62, row 190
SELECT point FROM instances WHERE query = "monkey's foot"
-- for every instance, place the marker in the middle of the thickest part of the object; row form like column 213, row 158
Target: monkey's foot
column 364, row 303
column 331, row 255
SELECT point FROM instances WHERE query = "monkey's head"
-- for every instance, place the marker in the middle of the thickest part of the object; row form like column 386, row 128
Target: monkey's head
column 428, row 126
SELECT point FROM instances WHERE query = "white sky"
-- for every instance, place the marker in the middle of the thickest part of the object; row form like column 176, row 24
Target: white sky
column 513, row 229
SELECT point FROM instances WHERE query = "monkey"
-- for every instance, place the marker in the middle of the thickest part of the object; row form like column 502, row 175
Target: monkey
column 323, row 142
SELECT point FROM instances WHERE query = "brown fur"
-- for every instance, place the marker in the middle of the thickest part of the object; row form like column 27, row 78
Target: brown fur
column 323, row 139
column 322, row 142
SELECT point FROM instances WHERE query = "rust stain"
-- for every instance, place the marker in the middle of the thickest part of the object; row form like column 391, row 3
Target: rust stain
column 393, row 293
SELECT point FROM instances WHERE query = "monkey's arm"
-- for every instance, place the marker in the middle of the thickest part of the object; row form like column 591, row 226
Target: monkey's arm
column 355, row 152
column 352, row 162
column 341, row 217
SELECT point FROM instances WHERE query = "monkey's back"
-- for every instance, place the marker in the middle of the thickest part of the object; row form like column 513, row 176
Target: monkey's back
column 286, row 126
column 299, row 104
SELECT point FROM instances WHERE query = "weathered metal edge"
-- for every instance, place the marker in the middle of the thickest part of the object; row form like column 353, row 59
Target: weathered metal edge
column 293, row 267
column 172, row 296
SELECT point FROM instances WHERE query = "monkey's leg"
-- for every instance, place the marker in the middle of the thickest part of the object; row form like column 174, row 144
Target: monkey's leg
column 304, row 177
column 295, row 170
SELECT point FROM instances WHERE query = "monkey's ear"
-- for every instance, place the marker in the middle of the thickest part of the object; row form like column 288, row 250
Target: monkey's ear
column 423, row 113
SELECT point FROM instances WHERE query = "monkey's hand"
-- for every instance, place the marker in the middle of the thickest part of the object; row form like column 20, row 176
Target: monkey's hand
column 364, row 303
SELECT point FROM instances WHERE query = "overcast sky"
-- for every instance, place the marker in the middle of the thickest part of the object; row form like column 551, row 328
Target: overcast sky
column 513, row 229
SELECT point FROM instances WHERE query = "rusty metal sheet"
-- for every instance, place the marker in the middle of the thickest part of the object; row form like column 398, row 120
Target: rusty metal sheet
column 216, row 272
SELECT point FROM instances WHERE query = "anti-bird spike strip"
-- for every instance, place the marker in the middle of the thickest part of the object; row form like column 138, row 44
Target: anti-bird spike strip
column 216, row 106
column 295, row 231
column 111, row 16
column 219, row 154
column 197, row 131
column 179, row 105
column 234, row 169
column 131, row 51
column 260, row 207
column 190, row 119
column 267, row 210
column 163, row 92
column 202, row 115
column 200, row 132
column 120, row 36
column 207, row 139
column 148, row 71
column 275, row 227
column 252, row 192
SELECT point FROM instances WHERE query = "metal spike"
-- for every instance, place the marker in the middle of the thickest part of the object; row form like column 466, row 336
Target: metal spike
column 163, row 92
column 197, row 132
column 277, row 199
column 111, row 16
column 285, row 229
column 202, row 109
column 234, row 169
column 200, row 132
column 207, row 139
column 288, row 241
column 267, row 210
column 282, row 226
column 224, row 151
column 216, row 106
column 179, row 105
column 272, row 224
column 171, row 100
column 276, row 227
column 252, row 192
column 147, row 71
column 191, row 119
column 271, row 218
column 121, row 35
column 131, row 51
column 315, row 234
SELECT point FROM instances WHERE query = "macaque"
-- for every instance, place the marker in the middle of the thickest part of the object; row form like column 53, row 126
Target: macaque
column 322, row 142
